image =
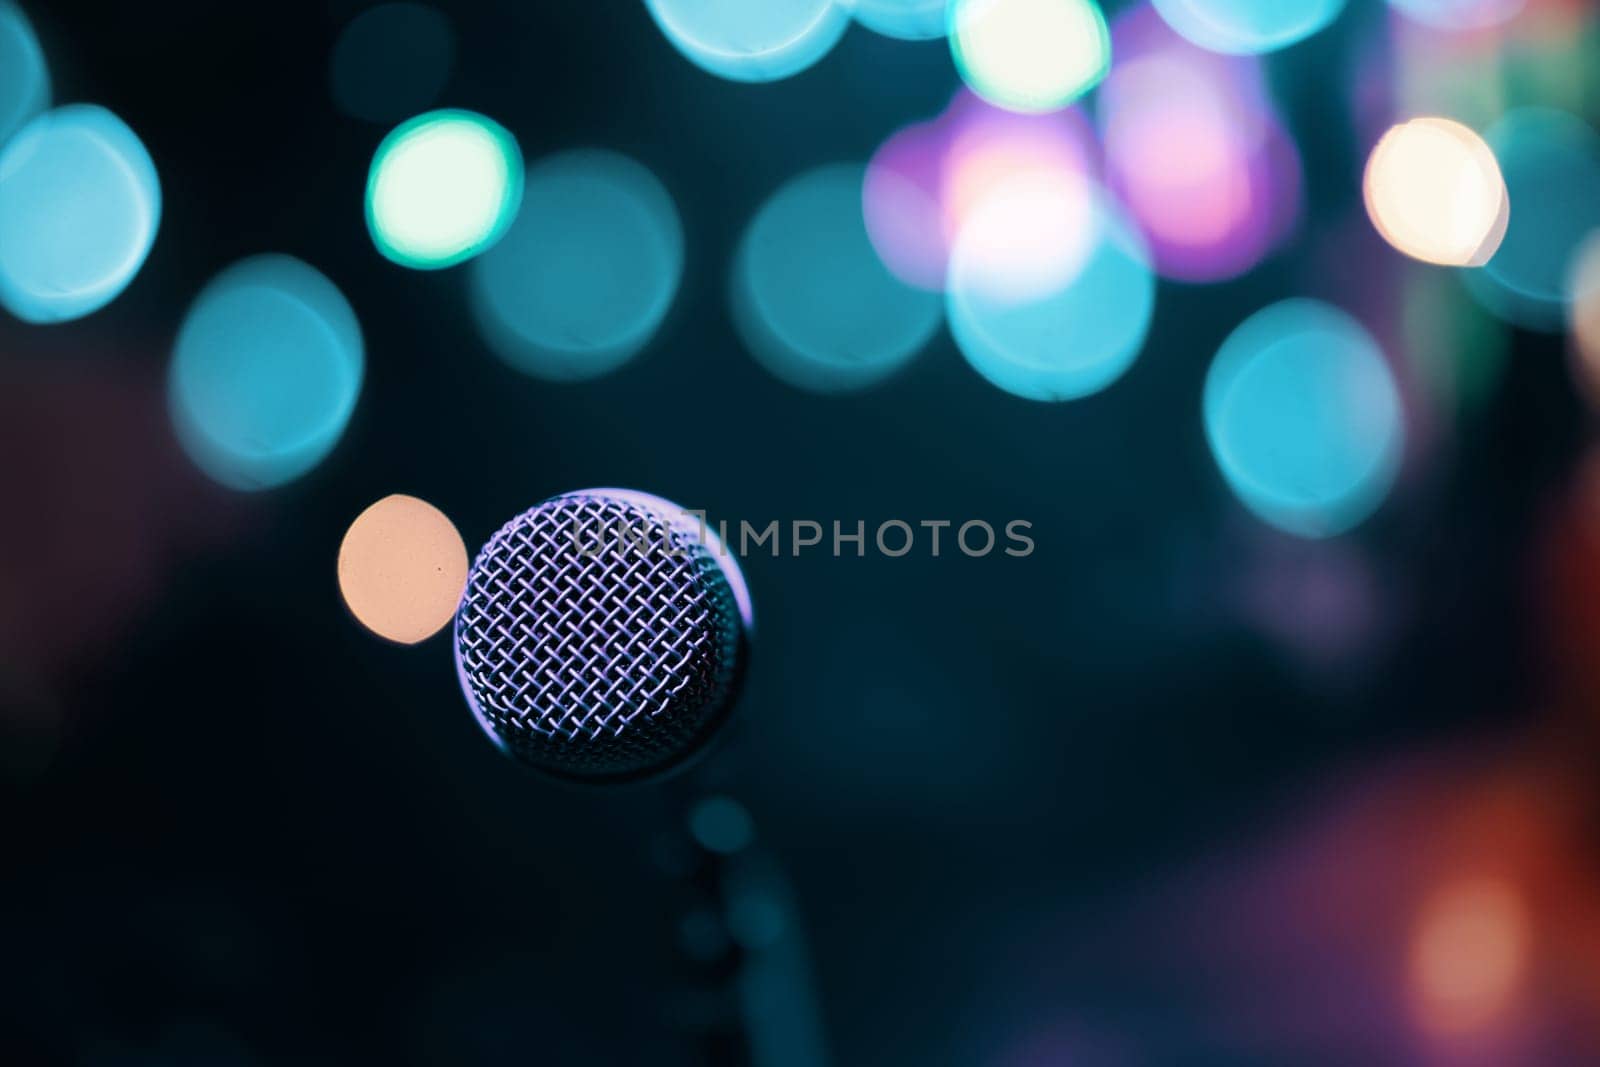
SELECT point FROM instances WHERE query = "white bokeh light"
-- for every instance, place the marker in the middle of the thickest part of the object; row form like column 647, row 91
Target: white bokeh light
column 1434, row 191
column 443, row 188
column 1030, row 55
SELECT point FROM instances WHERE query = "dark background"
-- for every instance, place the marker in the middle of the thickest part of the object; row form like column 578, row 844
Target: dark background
column 244, row 831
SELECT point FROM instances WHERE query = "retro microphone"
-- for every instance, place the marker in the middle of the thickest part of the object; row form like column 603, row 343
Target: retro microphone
column 602, row 638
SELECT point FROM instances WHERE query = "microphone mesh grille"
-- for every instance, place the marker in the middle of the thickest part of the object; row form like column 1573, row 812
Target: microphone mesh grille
column 598, row 639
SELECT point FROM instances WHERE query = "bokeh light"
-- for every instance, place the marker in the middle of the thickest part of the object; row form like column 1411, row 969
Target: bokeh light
column 751, row 42
column 1028, row 240
column 1303, row 417
column 392, row 61
column 1030, row 55
column 402, row 567
column 1551, row 163
column 1460, row 14
column 811, row 299
column 1244, row 27
column 1434, row 191
column 444, row 187
column 1583, row 294
column 1196, row 151
column 902, row 204
column 988, row 148
column 923, row 182
column 1071, row 313
column 721, row 824
column 24, row 78
column 588, row 271
column 909, row 20
column 79, row 207
column 266, row 372
column 1469, row 954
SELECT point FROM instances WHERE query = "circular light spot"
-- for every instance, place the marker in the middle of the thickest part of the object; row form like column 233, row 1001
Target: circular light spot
column 1196, row 152
column 588, row 271
column 24, row 79
column 1460, row 14
column 1551, row 162
column 402, row 567
column 1051, row 292
column 748, row 41
column 811, row 299
column 1469, row 954
column 1030, row 55
column 1434, row 191
column 1242, row 27
column 1303, row 418
column 909, row 20
column 721, row 825
column 392, row 61
column 444, row 187
column 266, row 372
column 79, row 206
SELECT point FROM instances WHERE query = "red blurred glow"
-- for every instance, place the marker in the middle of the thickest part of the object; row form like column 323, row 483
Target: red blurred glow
column 1469, row 956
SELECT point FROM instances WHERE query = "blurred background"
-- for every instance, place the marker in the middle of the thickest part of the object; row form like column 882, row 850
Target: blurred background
column 1249, row 762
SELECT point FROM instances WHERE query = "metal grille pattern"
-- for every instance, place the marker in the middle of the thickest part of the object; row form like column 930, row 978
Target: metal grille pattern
column 597, row 639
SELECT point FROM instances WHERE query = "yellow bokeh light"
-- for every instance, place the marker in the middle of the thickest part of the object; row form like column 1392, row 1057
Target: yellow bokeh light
column 1469, row 954
column 1434, row 191
column 402, row 567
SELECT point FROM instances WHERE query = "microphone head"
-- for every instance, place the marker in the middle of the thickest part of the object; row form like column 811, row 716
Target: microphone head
column 602, row 636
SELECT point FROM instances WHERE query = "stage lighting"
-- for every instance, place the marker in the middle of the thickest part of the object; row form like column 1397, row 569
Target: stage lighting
column 909, row 20
column 1551, row 163
column 587, row 273
column 1434, row 191
column 810, row 297
column 443, row 187
column 266, row 372
column 24, row 78
column 1051, row 293
column 402, row 567
column 1245, row 27
column 79, row 207
column 1304, row 418
column 1030, row 55
column 392, row 61
column 749, row 41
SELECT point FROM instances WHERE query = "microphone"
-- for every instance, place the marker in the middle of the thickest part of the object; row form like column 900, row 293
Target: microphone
column 602, row 636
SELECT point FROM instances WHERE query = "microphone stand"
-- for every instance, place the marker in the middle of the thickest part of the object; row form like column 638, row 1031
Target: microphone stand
column 742, row 937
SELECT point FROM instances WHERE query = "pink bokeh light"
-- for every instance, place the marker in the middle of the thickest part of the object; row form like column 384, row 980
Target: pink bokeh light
column 1195, row 150
column 928, row 179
